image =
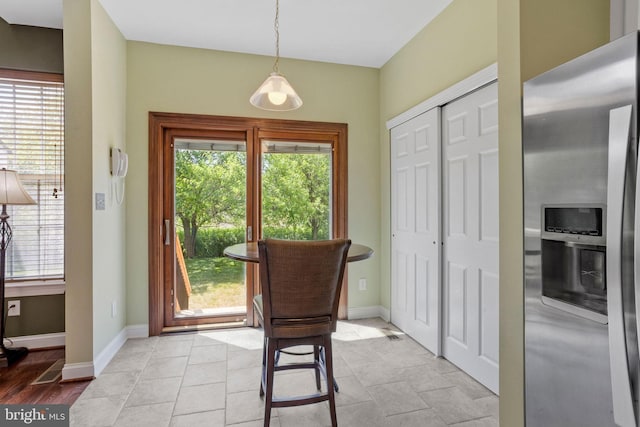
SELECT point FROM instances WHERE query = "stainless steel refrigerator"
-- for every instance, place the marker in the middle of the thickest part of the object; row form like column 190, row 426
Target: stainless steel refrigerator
column 581, row 256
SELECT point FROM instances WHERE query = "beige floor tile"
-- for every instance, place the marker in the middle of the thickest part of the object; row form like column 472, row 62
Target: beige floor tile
column 206, row 339
column 98, row 412
column 205, row 373
column 358, row 353
column 209, row 419
column 159, row 390
column 340, row 367
column 315, row 415
column 295, row 383
column 145, row 416
column 186, row 337
column 243, row 379
column 172, row 348
column 452, row 405
column 274, row 422
column 441, row 365
column 376, row 373
column 422, row 418
column 242, row 339
column 365, row 414
column 212, row 378
column 396, row 398
column 481, row 422
column 127, row 362
column 207, row 354
column 115, row 384
column 244, row 359
column 245, row 406
column 165, row 367
column 489, row 405
column 351, row 391
column 200, row 398
column 468, row 385
column 139, row 345
column 422, row 378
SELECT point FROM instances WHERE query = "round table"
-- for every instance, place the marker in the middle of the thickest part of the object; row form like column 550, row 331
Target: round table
column 248, row 252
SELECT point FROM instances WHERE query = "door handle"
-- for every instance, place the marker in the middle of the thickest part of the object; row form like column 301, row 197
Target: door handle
column 619, row 127
column 167, row 226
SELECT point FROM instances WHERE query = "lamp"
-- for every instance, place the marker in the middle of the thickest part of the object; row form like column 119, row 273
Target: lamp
column 276, row 94
column 11, row 193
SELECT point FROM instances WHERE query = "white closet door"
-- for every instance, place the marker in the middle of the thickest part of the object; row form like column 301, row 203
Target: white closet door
column 470, row 229
column 415, row 212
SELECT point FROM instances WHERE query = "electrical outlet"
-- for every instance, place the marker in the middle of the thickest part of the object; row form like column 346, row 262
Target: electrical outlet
column 13, row 308
column 114, row 309
column 362, row 284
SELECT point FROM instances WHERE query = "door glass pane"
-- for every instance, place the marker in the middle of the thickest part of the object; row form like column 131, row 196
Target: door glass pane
column 296, row 190
column 210, row 214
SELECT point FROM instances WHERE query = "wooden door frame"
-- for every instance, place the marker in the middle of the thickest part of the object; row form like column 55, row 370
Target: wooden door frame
column 163, row 125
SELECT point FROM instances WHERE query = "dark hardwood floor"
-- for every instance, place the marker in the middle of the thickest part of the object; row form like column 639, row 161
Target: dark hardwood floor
column 15, row 381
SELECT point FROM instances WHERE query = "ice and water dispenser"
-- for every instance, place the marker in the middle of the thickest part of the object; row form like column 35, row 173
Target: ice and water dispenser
column 574, row 260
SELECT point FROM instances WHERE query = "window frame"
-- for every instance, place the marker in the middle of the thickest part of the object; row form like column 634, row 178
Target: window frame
column 36, row 286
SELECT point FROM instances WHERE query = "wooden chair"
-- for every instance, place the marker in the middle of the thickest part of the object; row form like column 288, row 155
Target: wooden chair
column 301, row 283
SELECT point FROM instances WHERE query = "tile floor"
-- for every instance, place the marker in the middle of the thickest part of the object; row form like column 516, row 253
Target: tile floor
column 212, row 379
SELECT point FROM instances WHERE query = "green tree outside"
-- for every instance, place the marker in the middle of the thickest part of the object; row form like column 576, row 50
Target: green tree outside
column 210, row 190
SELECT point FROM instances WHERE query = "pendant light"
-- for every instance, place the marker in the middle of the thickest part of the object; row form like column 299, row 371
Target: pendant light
column 276, row 94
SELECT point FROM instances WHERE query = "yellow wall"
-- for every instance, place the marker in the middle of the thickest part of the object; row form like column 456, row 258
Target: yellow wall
column 78, row 227
column 459, row 42
column 95, row 86
column 186, row 80
column 533, row 36
column 109, row 73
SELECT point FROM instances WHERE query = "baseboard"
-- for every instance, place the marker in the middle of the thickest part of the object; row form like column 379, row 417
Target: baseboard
column 33, row 342
column 385, row 314
column 93, row 369
column 109, row 351
column 138, row 331
column 368, row 312
column 74, row 371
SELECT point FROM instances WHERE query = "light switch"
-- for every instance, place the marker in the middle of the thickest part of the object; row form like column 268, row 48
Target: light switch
column 100, row 206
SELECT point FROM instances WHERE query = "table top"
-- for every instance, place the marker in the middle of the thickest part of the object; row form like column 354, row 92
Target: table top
column 249, row 252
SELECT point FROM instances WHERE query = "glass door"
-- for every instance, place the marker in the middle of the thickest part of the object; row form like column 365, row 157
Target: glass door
column 218, row 181
column 296, row 183
column 209, row 214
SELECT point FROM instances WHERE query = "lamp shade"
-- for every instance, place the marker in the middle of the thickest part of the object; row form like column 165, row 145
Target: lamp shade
column 276, row 94
column 11, row 190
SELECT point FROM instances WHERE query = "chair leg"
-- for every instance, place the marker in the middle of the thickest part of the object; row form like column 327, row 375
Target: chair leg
column 271, row 353
column 316, row 361
column 322, row 360
column 264, row 365
column 328, row 356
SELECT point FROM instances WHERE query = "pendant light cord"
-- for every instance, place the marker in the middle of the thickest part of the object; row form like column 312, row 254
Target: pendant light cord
column 276, row 27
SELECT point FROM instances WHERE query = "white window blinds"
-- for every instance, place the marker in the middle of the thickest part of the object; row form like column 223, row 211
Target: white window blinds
column 32, row 143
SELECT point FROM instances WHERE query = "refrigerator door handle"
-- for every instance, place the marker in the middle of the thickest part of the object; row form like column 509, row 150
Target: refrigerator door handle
column 619, row 128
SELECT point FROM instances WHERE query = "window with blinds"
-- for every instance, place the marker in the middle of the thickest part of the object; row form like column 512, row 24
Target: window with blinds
column 32, row 143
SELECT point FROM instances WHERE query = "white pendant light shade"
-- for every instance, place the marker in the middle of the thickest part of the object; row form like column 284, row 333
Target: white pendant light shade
column 276, row 94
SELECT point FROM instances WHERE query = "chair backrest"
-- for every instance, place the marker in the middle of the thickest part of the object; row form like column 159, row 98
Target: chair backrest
column 301, row 283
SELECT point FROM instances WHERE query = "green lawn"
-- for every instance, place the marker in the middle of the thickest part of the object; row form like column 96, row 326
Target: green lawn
column 216, row 282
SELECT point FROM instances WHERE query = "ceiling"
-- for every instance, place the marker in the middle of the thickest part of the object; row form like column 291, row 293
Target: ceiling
column 356, row 32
